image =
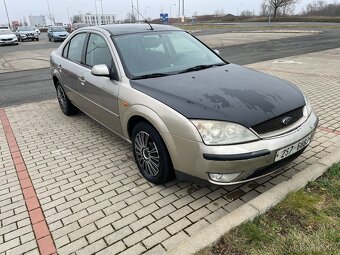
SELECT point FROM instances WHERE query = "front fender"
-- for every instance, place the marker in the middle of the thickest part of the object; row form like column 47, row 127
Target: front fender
column 152, row 117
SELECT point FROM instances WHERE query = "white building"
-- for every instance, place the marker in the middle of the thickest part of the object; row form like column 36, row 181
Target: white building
column 93, row 19
column 37, row 21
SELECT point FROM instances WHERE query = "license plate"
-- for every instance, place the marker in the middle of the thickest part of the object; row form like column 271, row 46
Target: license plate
column 291, row 149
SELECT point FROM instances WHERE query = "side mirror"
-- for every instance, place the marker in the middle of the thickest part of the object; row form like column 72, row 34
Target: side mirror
column 217, row 52
column 101, row 70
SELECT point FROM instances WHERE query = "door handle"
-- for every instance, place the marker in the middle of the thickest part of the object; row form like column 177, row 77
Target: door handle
column 82, row 80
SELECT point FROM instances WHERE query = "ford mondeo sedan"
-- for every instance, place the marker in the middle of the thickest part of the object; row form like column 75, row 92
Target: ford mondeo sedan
column 186, row 111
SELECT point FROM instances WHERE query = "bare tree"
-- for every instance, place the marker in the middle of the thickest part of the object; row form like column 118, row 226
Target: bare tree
column 246, row 13
column 265, row 9
column 77, row 19
column 219, row 12
column 130, row 18
column 288, row 10
column 315, row 6
column 278, row 4
column 51, row 17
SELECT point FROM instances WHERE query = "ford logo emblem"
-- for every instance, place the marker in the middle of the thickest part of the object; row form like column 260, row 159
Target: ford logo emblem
column 287, row 120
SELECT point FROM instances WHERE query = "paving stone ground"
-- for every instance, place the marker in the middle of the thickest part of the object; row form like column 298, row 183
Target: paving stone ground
column 95, row 200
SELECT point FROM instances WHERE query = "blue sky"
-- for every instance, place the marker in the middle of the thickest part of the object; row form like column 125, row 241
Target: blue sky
column 19, row 8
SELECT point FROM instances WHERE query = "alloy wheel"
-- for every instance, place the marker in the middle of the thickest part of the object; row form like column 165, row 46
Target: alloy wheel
column 61, row 97
column 147, row 154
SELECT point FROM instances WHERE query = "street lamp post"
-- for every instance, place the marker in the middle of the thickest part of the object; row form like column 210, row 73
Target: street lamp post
column 179, row 9
column 95, row 4
column 101, row 4
column 137, row 10
column 183, row 16
column 9, row 22
column 49, row 11
column 68, row 15
column 170, row 10
column 97, row 19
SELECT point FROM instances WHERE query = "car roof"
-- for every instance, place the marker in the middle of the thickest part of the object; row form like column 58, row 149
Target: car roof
column 27, row 27
column 121, row 29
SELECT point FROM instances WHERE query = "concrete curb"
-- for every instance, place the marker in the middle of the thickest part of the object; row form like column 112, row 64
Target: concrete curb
column 266, row 31
column 280, row 31
column 247, row 212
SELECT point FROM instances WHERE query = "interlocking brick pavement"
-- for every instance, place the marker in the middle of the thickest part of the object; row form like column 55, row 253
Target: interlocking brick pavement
column 95, row 200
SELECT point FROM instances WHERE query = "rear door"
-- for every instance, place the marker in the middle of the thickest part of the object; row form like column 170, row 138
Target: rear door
column 70, row 68
column 101, row 93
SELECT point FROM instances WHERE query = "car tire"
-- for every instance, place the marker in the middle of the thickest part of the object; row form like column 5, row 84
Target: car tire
column 37, row 39
column 49, row 38
column 64, row 102
column 53, row 40
column 151, row 155
column 21, row 40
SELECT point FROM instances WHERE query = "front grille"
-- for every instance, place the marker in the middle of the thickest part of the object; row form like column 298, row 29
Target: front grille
column 276, row 123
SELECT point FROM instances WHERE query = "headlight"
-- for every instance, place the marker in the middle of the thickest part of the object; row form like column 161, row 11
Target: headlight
column 308, row 105
column 219, row 132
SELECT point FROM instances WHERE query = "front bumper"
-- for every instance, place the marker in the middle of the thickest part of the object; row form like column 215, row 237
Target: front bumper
column 27, row 37
column 9, row 42
column 250, row 160
column 59, row 38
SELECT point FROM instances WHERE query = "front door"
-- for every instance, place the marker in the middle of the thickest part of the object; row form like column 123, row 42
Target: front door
column 100, row 93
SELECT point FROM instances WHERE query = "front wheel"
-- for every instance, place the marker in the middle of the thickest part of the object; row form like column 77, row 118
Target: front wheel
column 65, row 104
column 151, row 154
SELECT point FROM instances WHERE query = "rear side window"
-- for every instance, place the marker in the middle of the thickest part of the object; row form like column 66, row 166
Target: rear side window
column 98, row 52
column 75, row 48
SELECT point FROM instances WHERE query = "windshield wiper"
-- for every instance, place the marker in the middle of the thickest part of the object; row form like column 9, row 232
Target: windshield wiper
column 152, row 75
column 200, row 67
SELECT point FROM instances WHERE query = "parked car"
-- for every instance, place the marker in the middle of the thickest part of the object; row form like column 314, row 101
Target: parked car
column 57, row 34
column 186, row 111
column 27, row 33
column 76, row 26
column 7, row 37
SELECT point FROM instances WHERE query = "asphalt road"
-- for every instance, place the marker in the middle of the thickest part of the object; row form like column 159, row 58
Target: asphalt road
column 35, row 85
column 244, row 54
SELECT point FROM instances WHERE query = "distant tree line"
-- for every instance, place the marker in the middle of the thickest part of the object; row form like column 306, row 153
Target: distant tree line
column 321, row 8
column 274, row 8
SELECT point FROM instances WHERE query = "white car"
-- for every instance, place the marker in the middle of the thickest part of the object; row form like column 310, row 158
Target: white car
column 7, row 37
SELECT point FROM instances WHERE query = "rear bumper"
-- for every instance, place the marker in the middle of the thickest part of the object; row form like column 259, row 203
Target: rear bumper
column 250, row 160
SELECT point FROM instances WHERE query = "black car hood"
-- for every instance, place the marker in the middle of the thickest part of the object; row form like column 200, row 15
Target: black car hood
column 228, row 93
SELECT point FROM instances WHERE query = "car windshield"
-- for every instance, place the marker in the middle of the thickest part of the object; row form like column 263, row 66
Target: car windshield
column 156, row 54
column 5, row 32
column 27, row 29
column 58, row 29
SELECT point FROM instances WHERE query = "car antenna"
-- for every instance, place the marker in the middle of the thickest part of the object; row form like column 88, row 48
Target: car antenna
column 146, row 21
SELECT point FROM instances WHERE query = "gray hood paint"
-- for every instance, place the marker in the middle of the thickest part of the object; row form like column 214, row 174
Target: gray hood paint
column 227, row 93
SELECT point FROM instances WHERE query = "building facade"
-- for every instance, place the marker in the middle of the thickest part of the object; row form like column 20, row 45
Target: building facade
column 93, row 19
column 37, row 21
